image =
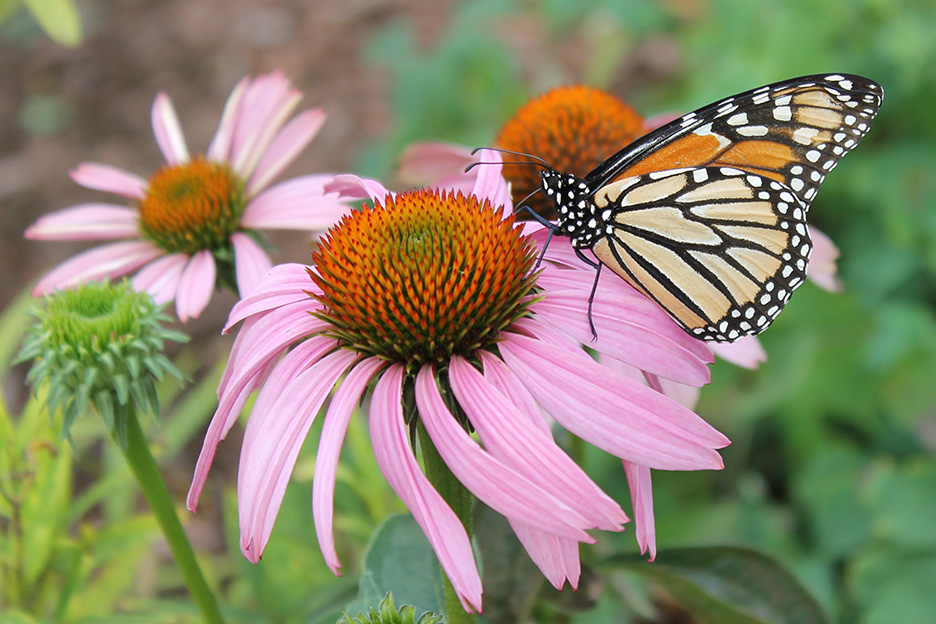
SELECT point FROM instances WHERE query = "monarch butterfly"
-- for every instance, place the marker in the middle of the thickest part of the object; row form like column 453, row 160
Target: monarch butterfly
column 706, row 215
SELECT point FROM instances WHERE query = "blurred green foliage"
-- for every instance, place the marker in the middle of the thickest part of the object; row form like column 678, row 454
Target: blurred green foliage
column 832, row 466
column 58, row 19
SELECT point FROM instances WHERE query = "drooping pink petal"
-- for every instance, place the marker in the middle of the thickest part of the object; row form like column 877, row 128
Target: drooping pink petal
column 611, row 411
column 390, row 439
column 497, row 485
column 86, row 222
column 288, row 143
column 513, row 440
column 270, row 334
column 339, row 413
column 556, row 557
column 425, row 163
column 630, row 327
column 251, row 263
column 746, row 352
column 687, row 396
column 272, row 441
column 822, row 268
column 501, row 377
column 220, row 148
column 196, row 284
column 234, row 391
column 641, row 491
column 354, row 187
column 282, row 285
column 168, row 131
column 106, row 261
column 160, row 278
column 110, row 179
column 297, row 204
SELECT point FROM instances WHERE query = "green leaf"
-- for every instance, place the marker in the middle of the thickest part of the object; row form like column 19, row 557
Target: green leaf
column 399, row 559
column 723, row 585
column 58, row 18
column 45, row 504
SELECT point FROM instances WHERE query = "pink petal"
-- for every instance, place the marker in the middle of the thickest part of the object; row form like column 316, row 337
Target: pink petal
column 167, row 130
column 556, row 557
column 489, row 183
column 220, row 148
column 822, row 268
column 242, row 374
column 109, row 179
column 288, row 143
column 631, row 328
column 638, row 480
column 297, row 204
column 746, row 352
column 266, row 337
column 107, row 261
column 610, row 410
column 284, row 284
column 496, row 484
column 251, row 263
column 86, row 222
column 354, row 187
column 272, row 441
column 687, row 396
column 160, row 278
column 342, row 407
column 390, row 438
column 196, row 284
column 513, row 440
column 268, row 102
column 425, row 163
column 502, row 378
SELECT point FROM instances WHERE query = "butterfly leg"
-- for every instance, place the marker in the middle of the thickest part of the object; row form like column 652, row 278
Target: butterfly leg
column 547, row 224
column 591, row 297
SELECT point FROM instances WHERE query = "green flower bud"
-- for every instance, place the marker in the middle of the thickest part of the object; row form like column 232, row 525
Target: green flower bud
column 387, row 613
column 99, row 343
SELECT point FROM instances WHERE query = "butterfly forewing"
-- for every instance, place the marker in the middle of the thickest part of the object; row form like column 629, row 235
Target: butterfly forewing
column 793, row 132
column 719, row 248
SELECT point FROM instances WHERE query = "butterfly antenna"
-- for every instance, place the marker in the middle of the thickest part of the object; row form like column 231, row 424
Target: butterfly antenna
column 505, row 162
column 532, row 157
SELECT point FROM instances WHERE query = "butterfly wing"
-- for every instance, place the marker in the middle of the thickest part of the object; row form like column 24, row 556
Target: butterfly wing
column 719, row 248
column 793, row 132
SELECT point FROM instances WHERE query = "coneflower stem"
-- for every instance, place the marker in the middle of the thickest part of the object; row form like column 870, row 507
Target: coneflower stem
column 462, row 503
column 146, row 471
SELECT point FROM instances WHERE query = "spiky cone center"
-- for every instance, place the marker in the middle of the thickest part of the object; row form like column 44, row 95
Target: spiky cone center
column 574, row 128
column 192, row 206
column 423, row 276
column 99, row 343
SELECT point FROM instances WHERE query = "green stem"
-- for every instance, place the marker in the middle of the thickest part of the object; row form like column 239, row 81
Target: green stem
column 462, row 503
column 144, row 468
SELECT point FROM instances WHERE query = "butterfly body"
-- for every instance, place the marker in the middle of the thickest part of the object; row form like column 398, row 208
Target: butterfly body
column 707, row 214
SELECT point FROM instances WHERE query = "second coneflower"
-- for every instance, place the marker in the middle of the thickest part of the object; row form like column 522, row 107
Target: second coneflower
column 195, row 222
column 430, row 294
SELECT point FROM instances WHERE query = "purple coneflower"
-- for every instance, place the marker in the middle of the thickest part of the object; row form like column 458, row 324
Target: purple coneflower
column 193, row 223
column 429, row 298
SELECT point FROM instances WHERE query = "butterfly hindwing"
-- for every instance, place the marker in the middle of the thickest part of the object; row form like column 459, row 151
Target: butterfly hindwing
column 719, row 248
column 793, row 132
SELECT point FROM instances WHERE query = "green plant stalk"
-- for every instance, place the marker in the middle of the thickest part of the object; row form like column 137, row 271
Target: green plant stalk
column 146, row 471
column 462, row 503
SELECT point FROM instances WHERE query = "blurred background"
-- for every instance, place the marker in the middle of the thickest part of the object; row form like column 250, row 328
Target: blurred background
column 832, row 467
